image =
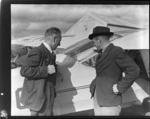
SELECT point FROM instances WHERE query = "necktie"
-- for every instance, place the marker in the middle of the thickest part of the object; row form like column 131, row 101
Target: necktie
column 53, row 58
column 99, row 54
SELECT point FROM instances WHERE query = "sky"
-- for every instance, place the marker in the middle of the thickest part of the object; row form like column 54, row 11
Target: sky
column 31, row 19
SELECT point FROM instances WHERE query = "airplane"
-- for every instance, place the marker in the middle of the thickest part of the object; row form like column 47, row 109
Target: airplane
column 76, row 59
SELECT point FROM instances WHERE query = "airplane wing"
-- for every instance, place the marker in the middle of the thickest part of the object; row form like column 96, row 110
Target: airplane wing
column 137, row 40
column 74, row 45
column 17, row 49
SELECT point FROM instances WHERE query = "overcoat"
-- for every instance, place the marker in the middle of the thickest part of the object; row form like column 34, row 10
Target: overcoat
column 36, row 76
column 109, row 68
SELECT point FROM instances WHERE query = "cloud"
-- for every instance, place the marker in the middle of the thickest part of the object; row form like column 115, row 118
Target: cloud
column 41, row 13
column 35, row 19
column 138, row 15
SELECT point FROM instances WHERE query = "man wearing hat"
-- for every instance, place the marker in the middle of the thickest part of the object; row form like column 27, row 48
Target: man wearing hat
column 109, row 84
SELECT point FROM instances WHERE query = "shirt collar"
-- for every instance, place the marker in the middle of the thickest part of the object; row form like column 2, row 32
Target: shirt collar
column 47, row 46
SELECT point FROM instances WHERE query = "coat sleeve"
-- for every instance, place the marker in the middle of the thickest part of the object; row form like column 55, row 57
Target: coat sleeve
column 130, row 68
column 32, row 68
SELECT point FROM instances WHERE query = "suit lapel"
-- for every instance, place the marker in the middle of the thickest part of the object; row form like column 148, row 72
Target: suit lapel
column 43, row 48
column 105, row 54
column 51, row 57
column 46, row 54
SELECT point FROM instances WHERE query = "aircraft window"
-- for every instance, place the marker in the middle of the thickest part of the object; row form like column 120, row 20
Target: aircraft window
column 90, row 62
column 78, row 48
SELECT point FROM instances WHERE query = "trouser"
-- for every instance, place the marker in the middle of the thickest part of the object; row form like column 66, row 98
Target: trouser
column 105, row 111
column 47, row 108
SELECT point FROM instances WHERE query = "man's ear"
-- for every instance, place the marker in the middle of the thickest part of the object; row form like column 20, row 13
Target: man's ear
column 54, row 37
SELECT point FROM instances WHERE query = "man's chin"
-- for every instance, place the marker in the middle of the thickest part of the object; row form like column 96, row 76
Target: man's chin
column 53, row 48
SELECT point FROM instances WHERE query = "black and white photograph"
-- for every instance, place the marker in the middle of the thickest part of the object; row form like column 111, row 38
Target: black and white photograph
column 79, row 60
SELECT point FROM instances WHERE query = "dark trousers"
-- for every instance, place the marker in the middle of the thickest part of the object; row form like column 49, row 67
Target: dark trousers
column 47, row 108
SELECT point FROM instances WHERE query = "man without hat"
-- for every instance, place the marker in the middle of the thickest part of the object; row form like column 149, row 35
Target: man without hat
column 109, row 84
column 40, row 70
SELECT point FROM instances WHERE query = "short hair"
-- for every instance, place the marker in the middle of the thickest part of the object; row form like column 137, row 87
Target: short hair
column 51, row 31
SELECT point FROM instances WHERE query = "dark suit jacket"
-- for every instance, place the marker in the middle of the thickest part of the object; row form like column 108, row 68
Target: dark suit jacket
column 35, row 72
column 109, row 68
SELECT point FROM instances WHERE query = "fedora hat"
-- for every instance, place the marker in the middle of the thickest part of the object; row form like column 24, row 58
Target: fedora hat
column 100, row 30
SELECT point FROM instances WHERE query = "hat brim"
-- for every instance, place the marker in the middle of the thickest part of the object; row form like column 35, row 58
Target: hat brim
column 91, row 36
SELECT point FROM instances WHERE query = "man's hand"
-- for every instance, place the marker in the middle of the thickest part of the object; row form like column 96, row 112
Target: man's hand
column 115, row 90
column 51, row 69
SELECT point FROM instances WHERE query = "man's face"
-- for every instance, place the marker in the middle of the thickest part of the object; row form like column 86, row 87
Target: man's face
column 56, row 41
column 98, row 42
